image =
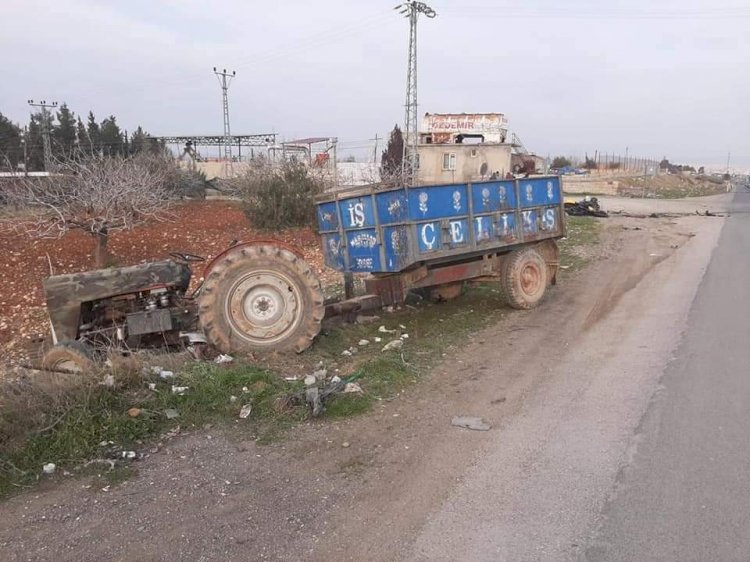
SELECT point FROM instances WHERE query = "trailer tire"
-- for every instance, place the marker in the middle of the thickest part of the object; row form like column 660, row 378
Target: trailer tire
column 523, row 278
column 70, row 357
column 261, row 298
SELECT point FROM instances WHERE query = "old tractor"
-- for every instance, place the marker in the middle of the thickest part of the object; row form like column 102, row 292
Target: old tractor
column 255, row 296
column 263, row 296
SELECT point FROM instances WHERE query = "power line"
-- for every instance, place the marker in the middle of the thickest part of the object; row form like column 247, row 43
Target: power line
column 222, row 76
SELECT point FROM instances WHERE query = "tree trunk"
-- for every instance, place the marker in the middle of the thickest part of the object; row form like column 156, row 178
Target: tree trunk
column 100, row 250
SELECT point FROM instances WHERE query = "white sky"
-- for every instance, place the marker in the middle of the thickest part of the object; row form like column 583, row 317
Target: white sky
column 660, row 77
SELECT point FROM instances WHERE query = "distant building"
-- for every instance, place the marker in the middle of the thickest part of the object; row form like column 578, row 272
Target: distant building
column 463, row 147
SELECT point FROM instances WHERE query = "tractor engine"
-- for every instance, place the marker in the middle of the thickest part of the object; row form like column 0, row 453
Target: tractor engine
column 138, row 306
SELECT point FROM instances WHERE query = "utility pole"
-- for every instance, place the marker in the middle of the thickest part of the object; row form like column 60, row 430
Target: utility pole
column 225, row 79
column 411, row 9
column 375, row 149
column 45, row 130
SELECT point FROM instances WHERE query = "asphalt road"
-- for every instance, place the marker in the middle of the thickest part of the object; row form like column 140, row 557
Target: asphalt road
column 686, row 494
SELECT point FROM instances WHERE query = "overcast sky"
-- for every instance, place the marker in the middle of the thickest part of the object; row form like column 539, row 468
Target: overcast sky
column 660, row 77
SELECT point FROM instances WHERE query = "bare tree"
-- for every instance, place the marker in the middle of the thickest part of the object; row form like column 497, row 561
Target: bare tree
column 95, row 194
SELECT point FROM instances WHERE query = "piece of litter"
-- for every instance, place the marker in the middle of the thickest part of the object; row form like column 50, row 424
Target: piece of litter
column 245, row 410
column 108, row 381
column 377, row 339
column 156, row 370
column 470, row 422
column 395, row 344
column 129, row 455
column 194, row 337
column 384, row 330
column 345, row 444
column 179, row 390
column 166, row 374
column 245, row 389
column 49, row 468
column 291, row 379
column 402, row 326
column 346, row 353
column 223, row 359
column 404, row 336
column 152, row 386
column 105, row 489
column 363, row 342
column 232, row 399
column 171, row 413
column 310, row 380
column 352, row 387
column 134, row 412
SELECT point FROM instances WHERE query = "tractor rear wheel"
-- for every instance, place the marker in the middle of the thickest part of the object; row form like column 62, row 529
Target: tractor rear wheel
column 261, row 298
column 523, row 278
column 69, row 357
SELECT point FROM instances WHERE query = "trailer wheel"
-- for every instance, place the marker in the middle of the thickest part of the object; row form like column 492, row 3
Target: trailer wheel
column 261, row 298
column 523, row 278
column 70, row 357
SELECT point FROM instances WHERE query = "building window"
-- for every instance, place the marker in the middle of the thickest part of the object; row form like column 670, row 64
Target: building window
column 449, row 161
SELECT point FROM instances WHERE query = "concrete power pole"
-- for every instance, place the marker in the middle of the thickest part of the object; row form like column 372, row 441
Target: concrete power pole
column 411, row 10
column 225, row 80
column 45, row 130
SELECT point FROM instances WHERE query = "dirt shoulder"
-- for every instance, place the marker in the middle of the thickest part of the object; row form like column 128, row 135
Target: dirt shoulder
column 354, row 489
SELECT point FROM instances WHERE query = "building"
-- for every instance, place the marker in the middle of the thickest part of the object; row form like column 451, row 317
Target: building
column 463, row 147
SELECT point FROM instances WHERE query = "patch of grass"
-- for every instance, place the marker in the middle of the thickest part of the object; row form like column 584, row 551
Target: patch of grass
column 583, row 233
column 95, row 414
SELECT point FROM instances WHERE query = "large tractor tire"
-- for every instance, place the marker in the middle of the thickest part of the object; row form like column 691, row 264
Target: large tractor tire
column 523, row 278
column 261, row 298
column 69, row 357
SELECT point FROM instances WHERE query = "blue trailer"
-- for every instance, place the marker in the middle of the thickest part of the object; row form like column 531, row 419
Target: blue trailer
column 438, row 236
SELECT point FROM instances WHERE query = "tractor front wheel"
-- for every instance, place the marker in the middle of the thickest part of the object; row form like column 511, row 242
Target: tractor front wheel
column 69, row 357
column 261, row 298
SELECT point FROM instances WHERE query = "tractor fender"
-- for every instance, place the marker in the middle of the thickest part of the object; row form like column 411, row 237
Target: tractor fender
column 255, row 242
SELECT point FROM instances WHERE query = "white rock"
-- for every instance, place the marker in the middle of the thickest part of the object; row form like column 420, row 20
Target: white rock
column 393, row 345
column 352, row 387
column 245, row 410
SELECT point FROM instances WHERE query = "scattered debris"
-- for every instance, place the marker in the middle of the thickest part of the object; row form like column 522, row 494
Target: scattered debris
column 395, row 344
column 588, row 206
column 310, row 380
column 194, row 337
column 498, row 400
column 384, row 330
column 156, row 370
column 166, row 374
column 171, row 413
column 291, row 379
column 353, row 350
column 366, row 319
column 363, row 343
column 335, row 379
column 245, row 411
column 320, row 373
column 108, row 381
column 134, row 412
column 402, row 326
column 708, row 213
column 352, row 387
column 128, row 455
column 377, row 339
column 49, row 468
column 404, row 336
column 232, row 399
column 179, row 390
column 152, row 386
column 470, row 422
column 223, row 359
column 345, row 444
column 312, row 396
column 346, row 353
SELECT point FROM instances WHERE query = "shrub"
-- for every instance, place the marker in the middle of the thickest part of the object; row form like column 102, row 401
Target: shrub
column 278, row 197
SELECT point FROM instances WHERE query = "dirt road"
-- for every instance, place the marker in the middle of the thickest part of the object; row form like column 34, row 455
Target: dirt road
column 564, row 387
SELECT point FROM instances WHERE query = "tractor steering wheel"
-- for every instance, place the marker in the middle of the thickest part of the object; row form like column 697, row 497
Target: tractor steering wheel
column 189, row 258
